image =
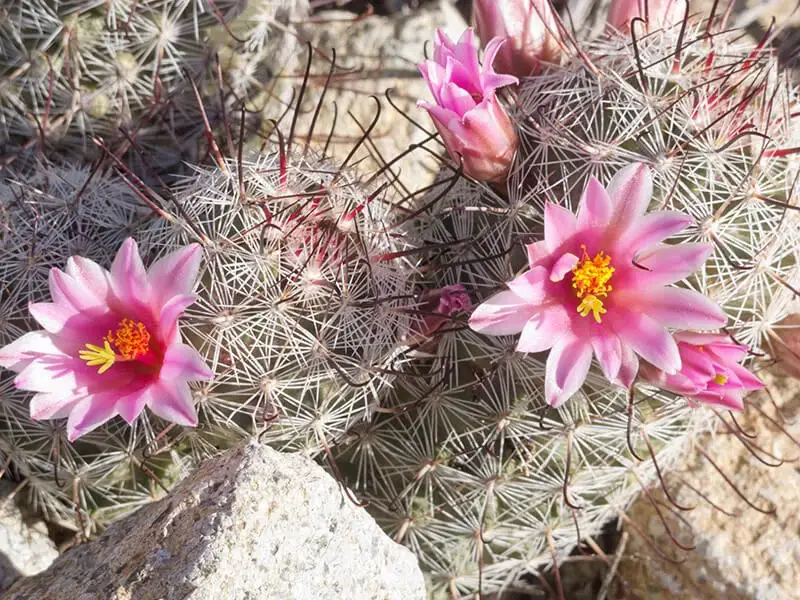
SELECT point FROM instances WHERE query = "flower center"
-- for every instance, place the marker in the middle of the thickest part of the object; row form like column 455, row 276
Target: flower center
column 131, row 340
column 720, row 379
column 590, row 280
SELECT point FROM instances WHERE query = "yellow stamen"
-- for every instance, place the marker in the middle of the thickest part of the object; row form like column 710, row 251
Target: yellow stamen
column 131, row 340
column 590, row 280
column 95, row 355
column 720, row 379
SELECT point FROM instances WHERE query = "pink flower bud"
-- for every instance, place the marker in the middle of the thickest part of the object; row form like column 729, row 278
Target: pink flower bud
column 473, row 124
column 440, row 305
column 786, row 348
column 710, row 371
column 529, row 29
column 657, row 13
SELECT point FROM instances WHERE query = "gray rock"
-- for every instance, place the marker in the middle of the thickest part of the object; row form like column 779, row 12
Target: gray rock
column 251, row 525
column 25, row 548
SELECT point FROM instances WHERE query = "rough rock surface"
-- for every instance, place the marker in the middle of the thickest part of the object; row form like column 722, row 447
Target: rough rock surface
column 749, row 556
column 253, row 524
column 25, row 548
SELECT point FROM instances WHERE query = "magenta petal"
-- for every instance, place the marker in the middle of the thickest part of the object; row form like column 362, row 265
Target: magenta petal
column 530, row 286
column 563, row 265
column 608, row 350
column 675, row 307
column 543, row 329
column 594, row 209
column 504, row 313
column 128, row 275
column 630, row 191
column 654, row 228
column 746, row 379
column 65, row 290
column 175, row 274
column 173, row 402
column 647, row 338
column 184, row 363
column 170, row 313
column 566, row 369
column 537, row 252
column 559, row 225
column 668, row 264
column 629, row 366
column 131, row 405
column 90, row 413
column 90, row 275
column 732, row 399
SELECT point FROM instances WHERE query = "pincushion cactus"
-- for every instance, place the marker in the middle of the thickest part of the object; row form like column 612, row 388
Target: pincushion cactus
column 468, row 466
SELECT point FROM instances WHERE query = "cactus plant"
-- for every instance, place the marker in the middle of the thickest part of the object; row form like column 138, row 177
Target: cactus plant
column 467, row 465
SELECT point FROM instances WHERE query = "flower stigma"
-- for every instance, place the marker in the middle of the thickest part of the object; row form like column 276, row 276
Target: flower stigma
column 590, row 280
column 130, row 339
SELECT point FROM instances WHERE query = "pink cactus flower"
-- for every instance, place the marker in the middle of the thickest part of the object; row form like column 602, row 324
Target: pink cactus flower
column 111, row 344
column 529, row 29
column 710, row 371
column 473, row 124
column 596, row 285
column 657, row 14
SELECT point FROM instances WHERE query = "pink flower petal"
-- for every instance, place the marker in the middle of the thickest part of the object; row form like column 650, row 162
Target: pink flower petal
column 537, row 252
column 48, row 374
column 629, row 366
column 732, row 399
column 175, row 274
column 50, row 316
column 559, row 225
column 128, row 275
column 530, row 286
column 543, row 329
column 90, row 275
column 675, row 307
column 563, row 265
column 184, row 363
column 566, row 369
column 594, row 209
column 630, row 191
column 504, row 313
column 647, row 338
column 654, row 228
column 170, row 313
column 22, row 351
column 747, row 380
column 173, row 403
column 54, row 405
column 90, row 413
column 668, row 264
column 131, row 405
column 67, row 291
column 608, row 349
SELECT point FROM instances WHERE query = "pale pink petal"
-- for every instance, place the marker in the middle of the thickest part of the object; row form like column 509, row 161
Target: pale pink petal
column 630, row 191
column 48, row 374
column 54, row 405
column 654, row 228
column 607, row 348
column 706, row 339
column 21, row 351
column 173, row 403
column 674, row 307
column 504, row 313
column 90, row 413
column 563, row 265
column 629, row 366
column 530, row 286
column 746, row 379
column 732, row 399
column 537, row 252
column 128, row 276
column 668, row 264
column 65, row 290
column 170, row 313
column 184, row 363
column 543, row 329
column 647, row 338
column 50, row 316
column 566, row 369
column 90, row 275
column 131, row 405
column 559, row 225
column 176, row 273
column 594, row 209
